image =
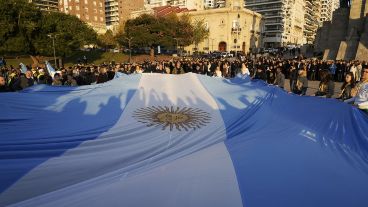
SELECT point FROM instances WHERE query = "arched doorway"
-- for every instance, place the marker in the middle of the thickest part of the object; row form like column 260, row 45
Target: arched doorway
column 222, row 46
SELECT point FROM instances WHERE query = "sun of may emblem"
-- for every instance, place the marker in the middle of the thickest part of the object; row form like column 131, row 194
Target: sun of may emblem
column 179, row 118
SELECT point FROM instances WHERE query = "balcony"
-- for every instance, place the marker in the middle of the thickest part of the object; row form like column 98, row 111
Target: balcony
column 257, row 3
column 236, row 30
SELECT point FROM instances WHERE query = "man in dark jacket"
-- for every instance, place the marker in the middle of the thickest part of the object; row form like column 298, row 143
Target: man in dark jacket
column 260, row 74
column 24, row 81
column 293, row 78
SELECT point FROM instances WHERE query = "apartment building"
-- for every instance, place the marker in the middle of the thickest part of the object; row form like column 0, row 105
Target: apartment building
column 46, row 5
column 283, row 20
column 118, row 11
column 90, row 11
column 312, row 20
column 328, row 7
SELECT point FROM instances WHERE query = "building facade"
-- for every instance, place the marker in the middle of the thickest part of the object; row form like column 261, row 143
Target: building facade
column 46, row 5
column 90, row 11
column 190, row 4
column 311, row 20
column 112, row 14
column 232, row 28
column 346, row 36
column 328, row 7
column 284, row 21
column 118, row 11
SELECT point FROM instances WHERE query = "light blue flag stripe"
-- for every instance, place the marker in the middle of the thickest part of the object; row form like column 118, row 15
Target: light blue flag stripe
column 50, row 69
column 293, row 151
column 54, row 120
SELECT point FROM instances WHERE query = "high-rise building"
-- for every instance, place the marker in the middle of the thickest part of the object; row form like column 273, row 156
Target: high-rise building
column 328, row 7
column 90, row 11
column 46, row 5
column 112, row 14
column 284, row 20
column 312, row 20
column 118, row 11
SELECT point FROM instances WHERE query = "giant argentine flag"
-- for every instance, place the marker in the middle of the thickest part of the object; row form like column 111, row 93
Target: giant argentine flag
column 186, row 140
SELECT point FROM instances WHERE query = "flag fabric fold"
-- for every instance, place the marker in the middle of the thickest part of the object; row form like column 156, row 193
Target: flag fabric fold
column 23, row 68
column 50, row 69
column 186, row 140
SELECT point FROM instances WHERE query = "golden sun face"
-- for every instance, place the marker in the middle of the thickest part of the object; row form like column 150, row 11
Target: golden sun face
column 179, row 118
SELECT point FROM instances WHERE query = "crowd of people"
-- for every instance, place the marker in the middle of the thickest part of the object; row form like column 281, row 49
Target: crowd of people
column 273, row 70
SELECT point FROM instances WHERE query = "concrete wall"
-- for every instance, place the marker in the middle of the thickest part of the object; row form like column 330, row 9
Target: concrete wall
column 337, row 33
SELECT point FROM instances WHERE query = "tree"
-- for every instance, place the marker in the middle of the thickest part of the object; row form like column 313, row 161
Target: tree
column 25, row 29
column 107, row 40
column 151, row 31
column 70, row 34
column 200, row 32
column 19, row 25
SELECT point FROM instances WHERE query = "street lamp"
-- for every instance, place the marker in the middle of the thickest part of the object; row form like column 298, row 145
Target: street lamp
column 212, row 39
column 177, row 45
column 130, row 48
column 237, row 35
column 53, row 45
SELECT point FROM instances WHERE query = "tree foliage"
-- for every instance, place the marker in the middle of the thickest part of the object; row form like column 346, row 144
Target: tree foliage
column 25, row 30
column 151, row 31
column 200, row 32
column 107, row 40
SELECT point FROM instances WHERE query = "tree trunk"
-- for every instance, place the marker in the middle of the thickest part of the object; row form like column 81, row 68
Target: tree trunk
column 152, row 54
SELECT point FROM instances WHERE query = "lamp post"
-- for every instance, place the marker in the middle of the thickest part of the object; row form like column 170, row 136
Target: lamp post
column 212, row 39
column 177, row 45
column 53, row 45
column 237, row 35
column 130, row 48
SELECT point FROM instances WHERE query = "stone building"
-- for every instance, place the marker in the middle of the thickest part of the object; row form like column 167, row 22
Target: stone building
column 232, row 28
column 189, row 4
column 346, row 37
